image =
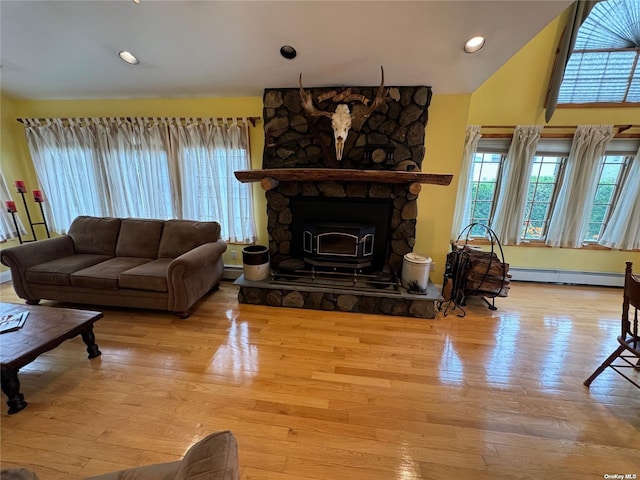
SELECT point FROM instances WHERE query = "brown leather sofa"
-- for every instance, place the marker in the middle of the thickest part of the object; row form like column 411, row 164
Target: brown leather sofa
column 140, row 263
column 215, row 457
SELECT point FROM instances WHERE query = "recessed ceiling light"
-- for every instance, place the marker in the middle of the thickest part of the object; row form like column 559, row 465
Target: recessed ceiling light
column 136, row 1
column 288, row 52
column 474, row 44
column 128, row 57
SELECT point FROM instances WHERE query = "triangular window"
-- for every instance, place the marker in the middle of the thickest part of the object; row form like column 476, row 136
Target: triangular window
column 604, row 66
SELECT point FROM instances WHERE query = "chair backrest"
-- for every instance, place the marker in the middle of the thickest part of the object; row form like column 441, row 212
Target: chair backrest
column 630, row 307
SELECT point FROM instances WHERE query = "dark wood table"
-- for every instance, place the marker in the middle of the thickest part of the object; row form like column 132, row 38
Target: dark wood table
column 44, row 329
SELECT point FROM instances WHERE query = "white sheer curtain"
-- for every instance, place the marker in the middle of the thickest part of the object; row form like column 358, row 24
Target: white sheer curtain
column 462, row 212
column 68, row 169
column 137, row 167
column 210, row 151
column 516, row 175
column 144, row 168
column 569, row 219
column 7, row 227
column 623, row 229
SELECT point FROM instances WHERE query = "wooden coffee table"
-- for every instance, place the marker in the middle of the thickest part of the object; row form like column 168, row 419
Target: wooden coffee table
column 44, row 329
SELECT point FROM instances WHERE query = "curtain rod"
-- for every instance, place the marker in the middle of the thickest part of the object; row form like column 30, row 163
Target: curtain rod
column 621, row 128
column 557, row 135
column 252, row 120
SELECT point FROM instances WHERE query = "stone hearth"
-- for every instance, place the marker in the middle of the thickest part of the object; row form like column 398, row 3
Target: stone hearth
column 322, row 297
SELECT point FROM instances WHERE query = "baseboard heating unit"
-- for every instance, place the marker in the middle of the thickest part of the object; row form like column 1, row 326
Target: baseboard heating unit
column 603, row 279
column 232, row 272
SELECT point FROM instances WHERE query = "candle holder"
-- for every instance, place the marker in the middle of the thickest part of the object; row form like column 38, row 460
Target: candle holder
column 26, row 209
column 11, row 208
column 39, row 199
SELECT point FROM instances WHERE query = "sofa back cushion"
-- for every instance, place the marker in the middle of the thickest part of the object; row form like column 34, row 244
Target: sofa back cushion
column 139, row 238
column 180, row 236
column 95, row 235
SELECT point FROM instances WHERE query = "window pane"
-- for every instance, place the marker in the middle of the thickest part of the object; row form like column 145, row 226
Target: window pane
column 603, row 66
column 483, row 187
column 612, row 168
column 542, row 185
column 597, row 77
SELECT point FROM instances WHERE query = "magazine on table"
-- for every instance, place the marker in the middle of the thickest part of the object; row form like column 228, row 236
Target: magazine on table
column 12, row 321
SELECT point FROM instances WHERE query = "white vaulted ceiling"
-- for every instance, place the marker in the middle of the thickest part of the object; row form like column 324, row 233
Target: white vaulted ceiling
column 68, row 49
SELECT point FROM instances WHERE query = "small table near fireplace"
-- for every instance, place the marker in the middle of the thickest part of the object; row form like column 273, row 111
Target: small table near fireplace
column 44, row 329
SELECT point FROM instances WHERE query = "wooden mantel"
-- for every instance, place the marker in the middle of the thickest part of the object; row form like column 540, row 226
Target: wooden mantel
column 270, row 177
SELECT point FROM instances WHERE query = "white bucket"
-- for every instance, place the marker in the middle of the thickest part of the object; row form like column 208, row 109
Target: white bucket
column 415, row 272
column 255, row 262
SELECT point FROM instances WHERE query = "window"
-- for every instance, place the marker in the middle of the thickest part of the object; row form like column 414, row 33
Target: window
column 484, row 180
column 70, row 178
column 610, row 178
column 144, row 168
column 604, row 66
column 543, row 186
column 210, row 189
column 547, row 175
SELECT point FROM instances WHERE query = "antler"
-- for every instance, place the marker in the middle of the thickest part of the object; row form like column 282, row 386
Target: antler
column 307, row 103
column 380, row 98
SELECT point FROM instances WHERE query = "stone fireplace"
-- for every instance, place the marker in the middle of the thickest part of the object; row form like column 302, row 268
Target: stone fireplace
column 356, row 215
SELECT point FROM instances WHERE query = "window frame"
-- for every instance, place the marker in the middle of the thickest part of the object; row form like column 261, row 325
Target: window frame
column 562, row 157
column 473, row 202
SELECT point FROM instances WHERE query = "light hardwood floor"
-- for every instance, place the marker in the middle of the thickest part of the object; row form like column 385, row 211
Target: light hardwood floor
column 340, row 396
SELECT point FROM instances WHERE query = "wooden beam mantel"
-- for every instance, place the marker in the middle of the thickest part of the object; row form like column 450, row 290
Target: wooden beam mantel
column 339, row 174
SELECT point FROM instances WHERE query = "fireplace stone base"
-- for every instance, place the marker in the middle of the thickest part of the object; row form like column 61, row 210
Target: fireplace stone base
column 328, row 298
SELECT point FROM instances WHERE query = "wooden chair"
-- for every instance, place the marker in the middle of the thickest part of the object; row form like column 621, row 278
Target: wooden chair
column 629, row 350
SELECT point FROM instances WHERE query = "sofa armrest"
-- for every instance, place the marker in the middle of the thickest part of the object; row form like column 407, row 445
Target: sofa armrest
column 21, row 257
column 215, row 457
column 193, row 273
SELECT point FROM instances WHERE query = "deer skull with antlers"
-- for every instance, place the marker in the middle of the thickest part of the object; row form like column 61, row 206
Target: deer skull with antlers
column 341, row 117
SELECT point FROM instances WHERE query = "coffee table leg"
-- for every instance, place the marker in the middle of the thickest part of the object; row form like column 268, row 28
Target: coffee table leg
column 90, row 340
column 11, row 388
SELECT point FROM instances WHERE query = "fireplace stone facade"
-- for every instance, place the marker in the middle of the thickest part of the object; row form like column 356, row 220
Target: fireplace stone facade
column 394, row 133
column 391, row 139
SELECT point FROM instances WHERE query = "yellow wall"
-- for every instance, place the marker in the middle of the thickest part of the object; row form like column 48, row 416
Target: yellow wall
column 444, row 144
column 515, row 95
column 11, row 167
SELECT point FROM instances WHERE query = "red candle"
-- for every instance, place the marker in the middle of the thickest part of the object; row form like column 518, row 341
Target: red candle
column 20, row 186
column 37, row 196
column 11, row 206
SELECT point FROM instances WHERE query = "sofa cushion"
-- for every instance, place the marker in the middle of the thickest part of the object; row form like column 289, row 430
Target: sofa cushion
column 139, row 238
column 215, row 456
column 105, row 275
column 149, row 276
column 180, row 236
column 58, row 271
column 95, row 235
